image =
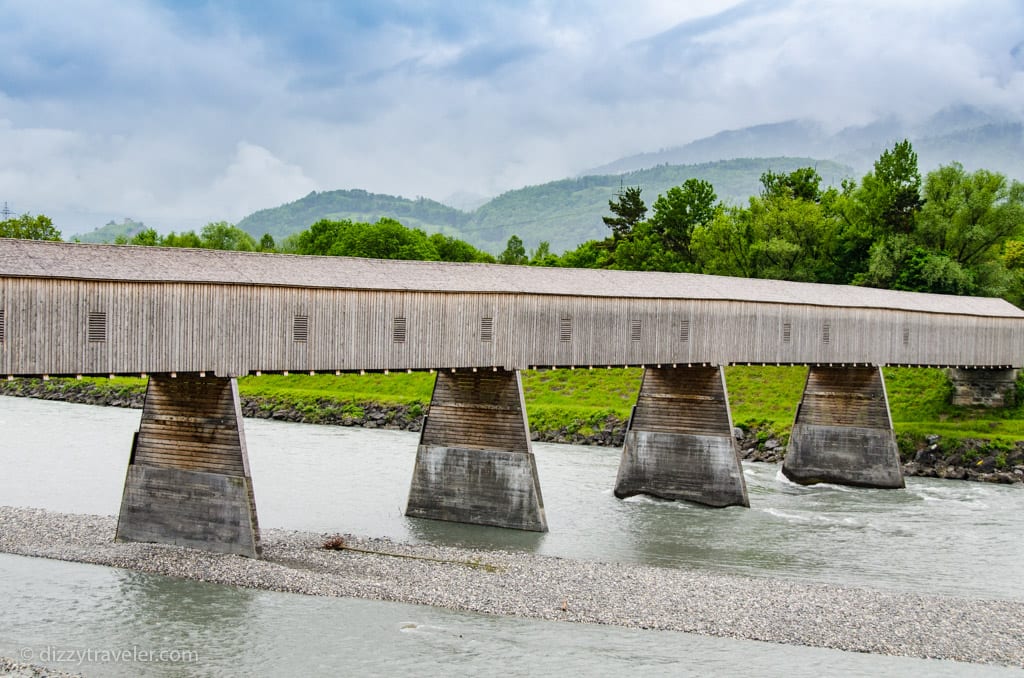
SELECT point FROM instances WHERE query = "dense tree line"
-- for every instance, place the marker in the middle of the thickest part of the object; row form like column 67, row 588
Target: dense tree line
column 386, row 239
column 952, row 232
column 28, row 227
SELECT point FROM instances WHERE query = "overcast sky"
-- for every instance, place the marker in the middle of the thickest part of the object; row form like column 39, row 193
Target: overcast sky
column 179, row 113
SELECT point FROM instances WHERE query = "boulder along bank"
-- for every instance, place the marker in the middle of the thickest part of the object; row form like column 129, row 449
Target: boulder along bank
column 967, row 459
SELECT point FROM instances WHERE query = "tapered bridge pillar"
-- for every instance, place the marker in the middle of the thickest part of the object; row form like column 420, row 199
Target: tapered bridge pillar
column 679, row 444
column 843, row 432
column 188, row 479
column 474, row 463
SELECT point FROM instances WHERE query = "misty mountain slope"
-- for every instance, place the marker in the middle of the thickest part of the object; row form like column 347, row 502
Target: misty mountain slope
column 568, row 212
column 565, row 213
column 354, row 205
column 974, row 137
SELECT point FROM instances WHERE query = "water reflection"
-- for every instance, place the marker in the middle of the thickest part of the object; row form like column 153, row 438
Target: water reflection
column 174, row 614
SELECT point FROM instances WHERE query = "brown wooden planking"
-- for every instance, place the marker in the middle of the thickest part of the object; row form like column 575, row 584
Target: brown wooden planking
column 844, row 397
column 683, row 400
column 679, row 444
column 188, row 481
column 190, row 423
column 229, row 329
column 474, row 463
column 482, row 410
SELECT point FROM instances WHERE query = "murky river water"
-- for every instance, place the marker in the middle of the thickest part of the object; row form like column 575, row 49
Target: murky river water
column 936, row 536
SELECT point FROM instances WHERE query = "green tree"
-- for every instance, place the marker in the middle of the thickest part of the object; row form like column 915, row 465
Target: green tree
column 725, row 245
column 590, row 254
column 147, row 237
column 453, row 249
column 629, row 210
column 267, row 243
column 681, row 210
column 28, row 227
column 963, row 240
column 515, row 252
column 800, row 184
column 321, row 238
column 892, row 192
column 184, row 239
column 646, row 251
column 542, row 256
column 220, row 235
column 898, row 263
column 386, row 239
column 970, row 215
column 788, row 232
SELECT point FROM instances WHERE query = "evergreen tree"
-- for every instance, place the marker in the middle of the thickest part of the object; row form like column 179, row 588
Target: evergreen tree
column 515, row 252
column 629, row 211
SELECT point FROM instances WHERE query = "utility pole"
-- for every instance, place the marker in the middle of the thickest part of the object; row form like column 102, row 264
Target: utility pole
column 6, row 212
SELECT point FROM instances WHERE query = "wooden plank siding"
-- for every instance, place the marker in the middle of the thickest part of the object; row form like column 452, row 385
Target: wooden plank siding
column 230, row 313
column 231, row 329
column 691, row 401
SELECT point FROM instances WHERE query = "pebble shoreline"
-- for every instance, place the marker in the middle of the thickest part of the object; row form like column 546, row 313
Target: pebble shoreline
column 543, row 587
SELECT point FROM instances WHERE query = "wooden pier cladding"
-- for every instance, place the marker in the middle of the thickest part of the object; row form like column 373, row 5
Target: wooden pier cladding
column 188, row 480
column 690, row 401
column 474, row 463
column 95, row 309
column 842, row 432
column 191, row 424
column 679, row 444
column 482, row 410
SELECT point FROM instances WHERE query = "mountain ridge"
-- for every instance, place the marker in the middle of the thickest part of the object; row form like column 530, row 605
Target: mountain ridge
column 563, row 213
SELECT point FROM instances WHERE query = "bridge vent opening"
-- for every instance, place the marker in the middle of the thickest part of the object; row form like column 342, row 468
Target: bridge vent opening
column 474, row 463
column 679, row 442
column 843, row 432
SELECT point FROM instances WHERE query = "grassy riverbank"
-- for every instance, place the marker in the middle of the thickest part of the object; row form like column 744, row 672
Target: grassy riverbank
column 583, row 400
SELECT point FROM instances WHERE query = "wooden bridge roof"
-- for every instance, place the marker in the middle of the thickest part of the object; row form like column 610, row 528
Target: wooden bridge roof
column 38, row 259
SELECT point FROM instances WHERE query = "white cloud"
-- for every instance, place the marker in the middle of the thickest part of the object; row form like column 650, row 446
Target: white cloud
column 255, row 179
column 176, row 118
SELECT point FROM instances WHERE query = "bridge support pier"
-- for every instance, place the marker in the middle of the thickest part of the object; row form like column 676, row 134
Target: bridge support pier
column 984, row 387
column 474, row 463
column 679, row 444
column 843, row 432
column 188, row 479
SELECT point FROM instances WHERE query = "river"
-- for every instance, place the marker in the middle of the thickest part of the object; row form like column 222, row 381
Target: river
column 936, row 536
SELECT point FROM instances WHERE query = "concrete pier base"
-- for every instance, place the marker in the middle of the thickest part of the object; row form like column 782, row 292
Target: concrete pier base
column 984, row 387
column 188, row 480
column 843, row 432
column 474, row 463
column 679, row 444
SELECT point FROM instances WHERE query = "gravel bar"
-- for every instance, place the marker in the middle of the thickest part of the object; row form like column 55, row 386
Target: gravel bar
column 12, row 669
column 542, row 587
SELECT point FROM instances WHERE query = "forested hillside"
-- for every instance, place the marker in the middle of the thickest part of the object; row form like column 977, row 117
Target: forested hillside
column 353, row 205
column 563, row 213
column 971, row 136
column 568, row 212
column 109, row 233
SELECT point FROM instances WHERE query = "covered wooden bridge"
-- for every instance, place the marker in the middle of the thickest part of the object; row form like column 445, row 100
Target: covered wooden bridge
column 194, row 320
